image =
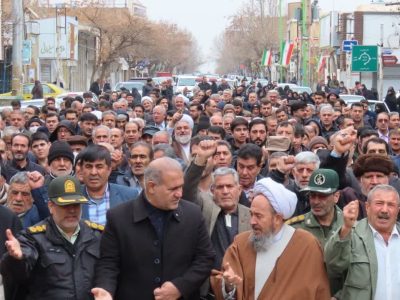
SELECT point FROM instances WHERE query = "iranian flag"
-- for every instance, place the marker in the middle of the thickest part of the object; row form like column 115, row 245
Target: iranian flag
column 321, row 63
column 287, row 53
column 266, row 59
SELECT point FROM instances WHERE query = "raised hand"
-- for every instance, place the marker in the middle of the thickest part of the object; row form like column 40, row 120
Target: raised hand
column 350, row 215
column 344, row 140
column 116, row 159
column 36, row 180
column 13, row 246
column 285, row 164
column 206, row 149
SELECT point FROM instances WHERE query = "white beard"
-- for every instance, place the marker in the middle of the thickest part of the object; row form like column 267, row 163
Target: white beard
column 183, row 139
column 261, row 243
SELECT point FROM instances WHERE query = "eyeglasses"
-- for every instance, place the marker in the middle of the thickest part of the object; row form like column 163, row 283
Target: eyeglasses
column 383, row 120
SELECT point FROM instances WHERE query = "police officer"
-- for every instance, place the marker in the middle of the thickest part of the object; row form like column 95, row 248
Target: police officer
column 55, row 258
column 325, row 216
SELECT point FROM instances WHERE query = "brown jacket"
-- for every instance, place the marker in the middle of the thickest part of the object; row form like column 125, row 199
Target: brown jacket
column 299, row 272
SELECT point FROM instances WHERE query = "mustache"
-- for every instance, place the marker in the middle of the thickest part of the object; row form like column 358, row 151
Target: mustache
column 384, row 216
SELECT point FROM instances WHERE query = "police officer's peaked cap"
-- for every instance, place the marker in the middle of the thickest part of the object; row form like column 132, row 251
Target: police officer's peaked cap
column 66, row 190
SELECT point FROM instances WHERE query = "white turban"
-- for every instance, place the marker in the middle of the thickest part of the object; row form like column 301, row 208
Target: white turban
column 281, row 199
column 188, row 119
column 185, row 99
column 97, row 113
column 146, row 98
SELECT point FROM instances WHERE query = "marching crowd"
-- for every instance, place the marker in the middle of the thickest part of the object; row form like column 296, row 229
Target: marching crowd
column 241, row 193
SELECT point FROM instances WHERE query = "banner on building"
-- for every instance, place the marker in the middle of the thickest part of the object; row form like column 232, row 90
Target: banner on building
column 58, row 44
column 26, row 52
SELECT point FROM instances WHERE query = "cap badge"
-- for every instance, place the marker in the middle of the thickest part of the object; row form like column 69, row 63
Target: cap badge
column 69, row 187
column 319, row 179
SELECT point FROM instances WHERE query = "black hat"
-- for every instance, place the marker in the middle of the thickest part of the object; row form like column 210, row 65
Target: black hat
column 34, row 119
column 60, row 149
column 64, row 123
column 150, row 130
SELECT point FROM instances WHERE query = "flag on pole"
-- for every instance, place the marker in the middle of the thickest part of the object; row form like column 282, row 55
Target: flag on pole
column 287, row 53
column 321, row 63
column 266, row 59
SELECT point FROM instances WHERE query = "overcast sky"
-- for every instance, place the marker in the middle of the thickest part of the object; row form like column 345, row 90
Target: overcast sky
column 207, row 19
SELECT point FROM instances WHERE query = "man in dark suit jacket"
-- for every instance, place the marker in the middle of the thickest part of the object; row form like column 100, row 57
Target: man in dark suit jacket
column 118, row 194
column 9, row 220
column 156, row 247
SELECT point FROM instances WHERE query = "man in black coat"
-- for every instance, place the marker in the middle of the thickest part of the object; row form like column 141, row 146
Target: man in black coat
column 157, row 246
column 148, row 87
column 95, row 87
column 9, row 220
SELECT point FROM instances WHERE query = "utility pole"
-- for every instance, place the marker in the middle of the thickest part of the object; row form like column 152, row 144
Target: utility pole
column 280, row 34
column 304, row 42
column 18, row 37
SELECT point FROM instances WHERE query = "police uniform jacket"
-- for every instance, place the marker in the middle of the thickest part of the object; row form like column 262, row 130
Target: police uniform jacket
column 52, row 268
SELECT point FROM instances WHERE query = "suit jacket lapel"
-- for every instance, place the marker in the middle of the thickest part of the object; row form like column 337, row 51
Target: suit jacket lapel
column 214, row 215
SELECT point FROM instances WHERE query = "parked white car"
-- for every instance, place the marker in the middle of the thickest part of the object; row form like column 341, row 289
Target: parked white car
column 185, row 81
column 129, row 85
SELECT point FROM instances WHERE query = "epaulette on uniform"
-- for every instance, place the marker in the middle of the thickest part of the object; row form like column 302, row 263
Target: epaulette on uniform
column 94, row 225
column 295, row 220
column 37, row 228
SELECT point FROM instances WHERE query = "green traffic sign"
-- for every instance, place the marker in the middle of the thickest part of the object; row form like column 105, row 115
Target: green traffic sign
column 364, row 59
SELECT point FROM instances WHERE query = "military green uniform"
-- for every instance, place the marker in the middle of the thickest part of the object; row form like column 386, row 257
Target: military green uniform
column 309, row 223
column 325, row 182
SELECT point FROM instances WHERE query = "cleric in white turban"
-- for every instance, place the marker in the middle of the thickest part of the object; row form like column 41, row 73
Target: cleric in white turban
column 273, row 260
column 281, row 199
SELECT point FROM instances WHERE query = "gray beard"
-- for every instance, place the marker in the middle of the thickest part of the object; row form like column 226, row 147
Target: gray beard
column 261, row 243
column 183, row 139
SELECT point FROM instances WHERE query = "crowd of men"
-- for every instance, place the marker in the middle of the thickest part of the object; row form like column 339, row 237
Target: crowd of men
column 243, row 193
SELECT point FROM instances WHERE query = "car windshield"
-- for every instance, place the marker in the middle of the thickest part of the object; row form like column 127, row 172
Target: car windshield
column 302, row 89
column 129, row 86
column 187, row 81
